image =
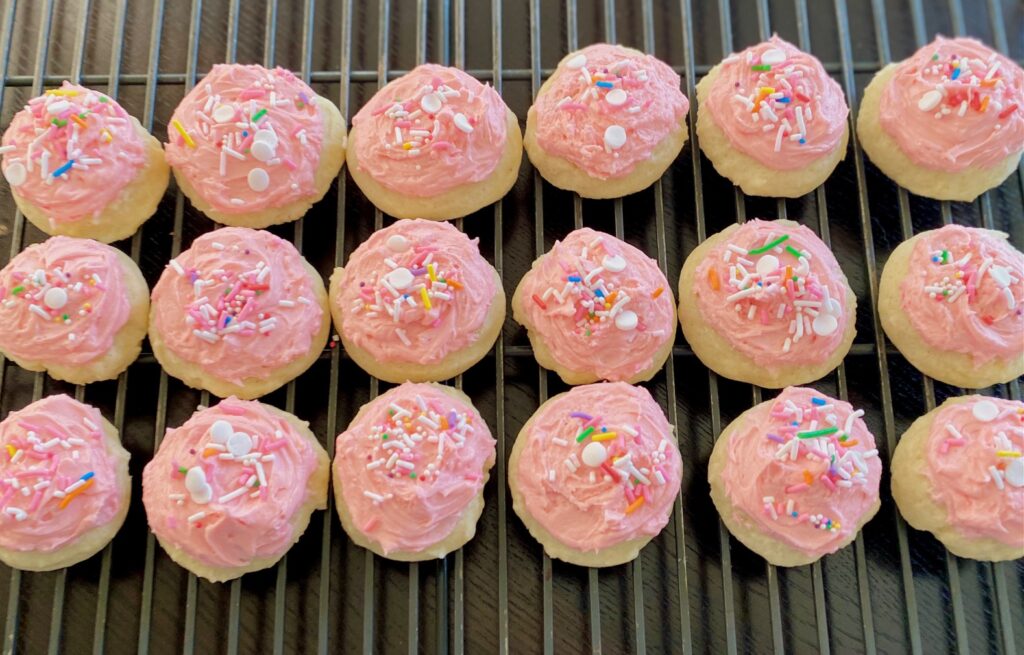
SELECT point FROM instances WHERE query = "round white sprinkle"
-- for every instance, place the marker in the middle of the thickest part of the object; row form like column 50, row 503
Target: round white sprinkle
column 15, row 174
column 462, row 123
column 266, row 136
column 258, row 179
column 767, row 264
column 626, row 320
column 773, row 57
column 930, row 100
column 397, row 243
column 221, row 431
column 594, row 454
column 430, row 103
column 240, row 444
column 1000, row 274
column 262, row 151
column 834, row 307
column 400, row 278
column 985, row 410
column 615, row 97
column 55, row 298
column 223, row 113
column 615, row 137
column 195, row 483
column 577, row 62
column 614, row 263
column 1014, row 473
column 58, row 107
column 824, row 324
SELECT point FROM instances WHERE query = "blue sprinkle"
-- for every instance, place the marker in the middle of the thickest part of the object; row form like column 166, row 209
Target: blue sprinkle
column 803, row 141
column 956, row 74
column 818, row 401
column 575, row 278
column 599, row 293
column 794, row 515
column 88, row 475
column 245, row 133
column 795, row 423
column 606, row 85
column 226, row 321
column 782, row 99
column 65, row 168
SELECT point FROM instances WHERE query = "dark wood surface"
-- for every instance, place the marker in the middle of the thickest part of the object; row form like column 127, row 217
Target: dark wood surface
column 708, row 596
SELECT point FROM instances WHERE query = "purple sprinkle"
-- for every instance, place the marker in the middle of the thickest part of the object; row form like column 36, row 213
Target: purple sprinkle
column 585, row 417
column 776, row 438
column 418, row 271
column 303, row 97
column 452, row 419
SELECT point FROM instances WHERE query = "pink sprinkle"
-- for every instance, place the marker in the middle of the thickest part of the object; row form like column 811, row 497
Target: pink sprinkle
column 35, row 455
column 276, row 445
column 593, row 422
column 630, row 496
column 763, row 315
column 796, row 488
column 37, row 500
column 371, row 524
column 827, row 481
column 7, row 496
column 288, row 163
column 29, row 426
column 436, row 82
column 232, row 409
column 251, row 93
column 441, row 145
column 573, row 106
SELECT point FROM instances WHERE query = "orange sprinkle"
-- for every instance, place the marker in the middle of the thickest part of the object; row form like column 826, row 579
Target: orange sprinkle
column 444, row 423
column 789, row 272
column 989, row 82
column 850, row 444
column 71, row 496
column 453, row 284
column 984, row 104
column 210, row 452
column 808, row 478
column 657, row 292
column 633, row 505
column 78, row 120
column 713, row 279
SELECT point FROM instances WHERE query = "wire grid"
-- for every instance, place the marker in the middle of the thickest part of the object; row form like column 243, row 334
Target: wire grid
column 698, row 594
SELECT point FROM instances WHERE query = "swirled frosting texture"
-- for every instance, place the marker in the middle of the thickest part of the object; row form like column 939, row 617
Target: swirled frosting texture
column 606, row 108
column 247, row 138
column 415, row 292
column 955, row 104
column 71, row 151
column 432, row 130
column 239, row 304
column 599, row 305
column 616, row 483
column 775, row 292
column 58, row 478
column 806, row 491
column 62, row 301
column 777, row 105
column 410, row 464
column 975, row 470
column 225, row 487
column 964, row 293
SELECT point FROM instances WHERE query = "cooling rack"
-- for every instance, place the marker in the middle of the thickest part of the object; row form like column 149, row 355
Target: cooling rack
column 694, row 589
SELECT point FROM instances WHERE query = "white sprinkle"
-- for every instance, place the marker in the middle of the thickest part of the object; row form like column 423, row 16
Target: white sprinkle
column 198, row 516
column 226, row 498
column 997, row 477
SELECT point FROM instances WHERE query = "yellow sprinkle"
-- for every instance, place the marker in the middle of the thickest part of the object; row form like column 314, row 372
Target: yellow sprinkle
column 1008, row 453
column 107, row 136
column 767, row 90
column 426, row 298
column 604, row 436
column 62, row 92
column 430, row 270
column 407, row 146
column 184, row 135
column 11, row 450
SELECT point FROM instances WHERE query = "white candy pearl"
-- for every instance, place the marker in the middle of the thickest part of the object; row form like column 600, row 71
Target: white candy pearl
column 240, row 444
column 767, row 264
column 258, row 179
column 577, row 62
column 223, row 113
column 266, row 136
column 773, row 56
column 615, row 97
column 824, row 324
column 1014, row 473
column 985, row 411
column 58, row 107
column 55, row 298
column 614, row 263
column 594, row 454
column 262, row 151
column 615, row 137
column 1000, row 274
column 397, row 243
column 930, row 100
column 462, row 123
column 430, row 103
column 15, row 174
column 221, row 431
column 626, row 320
column 400, row 278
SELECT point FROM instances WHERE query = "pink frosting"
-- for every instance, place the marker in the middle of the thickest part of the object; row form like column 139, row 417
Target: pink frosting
column 614, row 338
column 75, row 125
column 598, row 491
column 253, row 470
column 975, row 469
column 606, row 108
column 265, row 151
column 410, row 464
column 62, row 301
column 808, row 492
column 964, row 293
column 955, row 104
column 56, row 451
column 420, row 256
column 746, row 296
column 431, row 130
column 777, row 105
column 239, row 304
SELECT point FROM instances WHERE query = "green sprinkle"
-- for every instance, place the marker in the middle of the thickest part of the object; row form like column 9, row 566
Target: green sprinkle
column 844, row 437
column 104, row 99
column 817, row 433
column 761, row 67
column 64, row 316
column 58, row 122
column 793, row 251
column 385, row 436
column 588, row 332
column 256, row 484
column 412, row 475
column 17, row 290
column 84, row 113
column 258, row 115
column 768, row 246
column 586, row 433
column 182, row 470
column 935, row 57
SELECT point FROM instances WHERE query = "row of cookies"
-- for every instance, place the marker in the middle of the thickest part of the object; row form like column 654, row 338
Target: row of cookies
column 946, row 123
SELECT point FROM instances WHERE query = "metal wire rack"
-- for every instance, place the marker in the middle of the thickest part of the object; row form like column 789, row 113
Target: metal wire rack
column 693, row 589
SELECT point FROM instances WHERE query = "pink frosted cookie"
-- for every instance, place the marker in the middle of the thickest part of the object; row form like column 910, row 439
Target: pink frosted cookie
column 410, row 470
column 239, row 313
column 417, row 302
column 436, row 144
column 594, row 473
column 952, row 301
column 231, row 490
column 948, row 122
column 796, row 477
column 765, row 302
column 80, row 165
column 958, row 473
column 596, row 308
column 772, row 120
column 74, row 308
column 607, row 123
column 64, row 484
column 253, row 147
